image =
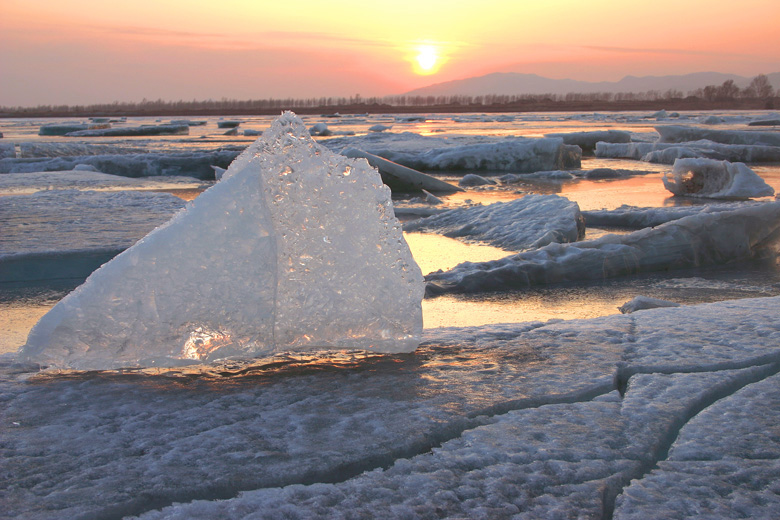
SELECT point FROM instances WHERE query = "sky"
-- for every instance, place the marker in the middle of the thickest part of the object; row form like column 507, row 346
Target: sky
column 98, row 51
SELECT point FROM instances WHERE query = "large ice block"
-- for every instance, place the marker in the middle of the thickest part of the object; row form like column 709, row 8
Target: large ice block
column 296, row 248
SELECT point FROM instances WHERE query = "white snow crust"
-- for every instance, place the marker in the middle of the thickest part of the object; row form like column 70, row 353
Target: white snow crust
column 564, row 419
column 294, row 249
column 526, row 223
column 715, row 180
column 702, row 239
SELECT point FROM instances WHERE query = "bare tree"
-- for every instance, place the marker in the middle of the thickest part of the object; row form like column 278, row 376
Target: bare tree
column 728, row 90
column 759, row 88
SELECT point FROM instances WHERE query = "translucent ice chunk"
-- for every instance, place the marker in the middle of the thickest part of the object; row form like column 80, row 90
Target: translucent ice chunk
column 296, row 248
column 715, row 179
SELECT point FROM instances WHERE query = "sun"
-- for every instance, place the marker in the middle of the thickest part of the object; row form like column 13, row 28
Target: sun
column 427, row 61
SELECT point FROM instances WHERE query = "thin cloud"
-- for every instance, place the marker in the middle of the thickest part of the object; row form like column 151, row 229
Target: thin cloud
column 649, row 50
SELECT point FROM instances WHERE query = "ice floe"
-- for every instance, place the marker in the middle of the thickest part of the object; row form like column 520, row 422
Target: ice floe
column 401, row 178
column 703, row 239
column 638, row 218
column 466, row 153
column 587, row 140
column 124, row 131
column 7, row 150
column 715, row 179
column 472, row 180
column 31, row 149
column 683, row 134
column 295, row 248
column 70, row 233
column 84, row 178
column 66, row 128
column 666, row 153
column 645, row 302
column 526, row 223
column 188, row 164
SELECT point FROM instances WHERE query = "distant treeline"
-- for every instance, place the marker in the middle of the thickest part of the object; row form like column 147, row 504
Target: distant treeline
column 758, row 94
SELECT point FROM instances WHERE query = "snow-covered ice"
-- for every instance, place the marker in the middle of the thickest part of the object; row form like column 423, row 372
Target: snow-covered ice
column 641, row 303
column 70, row 233
column 82, row 178
column 7, row 150
column 666, row 153
column 65, row 128
column 663, row 413
column 466, row 153
column 587, row 140
column 638, row 218
column 696, row 240
column 472, row 180
column 526, row 223
column 188, row 164
column 124, row 131
column 708, row 149
column 31, row 149
column 295, row 248
column 398, row 177
column 715, row 180
column 683, row 134
column 535, row 420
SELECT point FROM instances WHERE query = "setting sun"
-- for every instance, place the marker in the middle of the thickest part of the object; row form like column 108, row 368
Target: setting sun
column 427, row 60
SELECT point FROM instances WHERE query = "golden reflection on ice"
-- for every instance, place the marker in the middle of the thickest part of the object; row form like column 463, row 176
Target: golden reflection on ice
column 202, row 342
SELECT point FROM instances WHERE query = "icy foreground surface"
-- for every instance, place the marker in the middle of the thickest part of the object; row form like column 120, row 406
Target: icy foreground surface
column 697, row 240
column 295, row 248
column 715, row 180
column 557, row 420
column 530, row 222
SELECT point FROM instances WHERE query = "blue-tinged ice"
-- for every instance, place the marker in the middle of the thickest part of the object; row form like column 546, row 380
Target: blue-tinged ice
column 296, row 248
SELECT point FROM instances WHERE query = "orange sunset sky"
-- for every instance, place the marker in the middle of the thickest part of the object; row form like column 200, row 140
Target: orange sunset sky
column 95, row 51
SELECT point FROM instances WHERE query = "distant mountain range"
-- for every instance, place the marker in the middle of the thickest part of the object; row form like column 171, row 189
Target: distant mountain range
column 513, row 83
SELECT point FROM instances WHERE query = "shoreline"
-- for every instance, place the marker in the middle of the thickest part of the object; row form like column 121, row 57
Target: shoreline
column 674, row 104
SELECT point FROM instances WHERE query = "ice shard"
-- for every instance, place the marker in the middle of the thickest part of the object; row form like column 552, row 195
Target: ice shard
column 296, row 248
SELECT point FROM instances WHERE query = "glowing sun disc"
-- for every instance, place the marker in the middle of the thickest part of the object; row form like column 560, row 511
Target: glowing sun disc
column 427, row 58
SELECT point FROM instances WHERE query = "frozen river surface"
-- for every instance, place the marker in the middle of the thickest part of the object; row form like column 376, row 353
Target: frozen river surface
column 663, row 413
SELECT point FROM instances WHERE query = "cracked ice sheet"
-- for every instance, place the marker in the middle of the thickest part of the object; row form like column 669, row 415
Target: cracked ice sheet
column 111, row 445
column 724, row 464
column 563, row 460
column 753, row 333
